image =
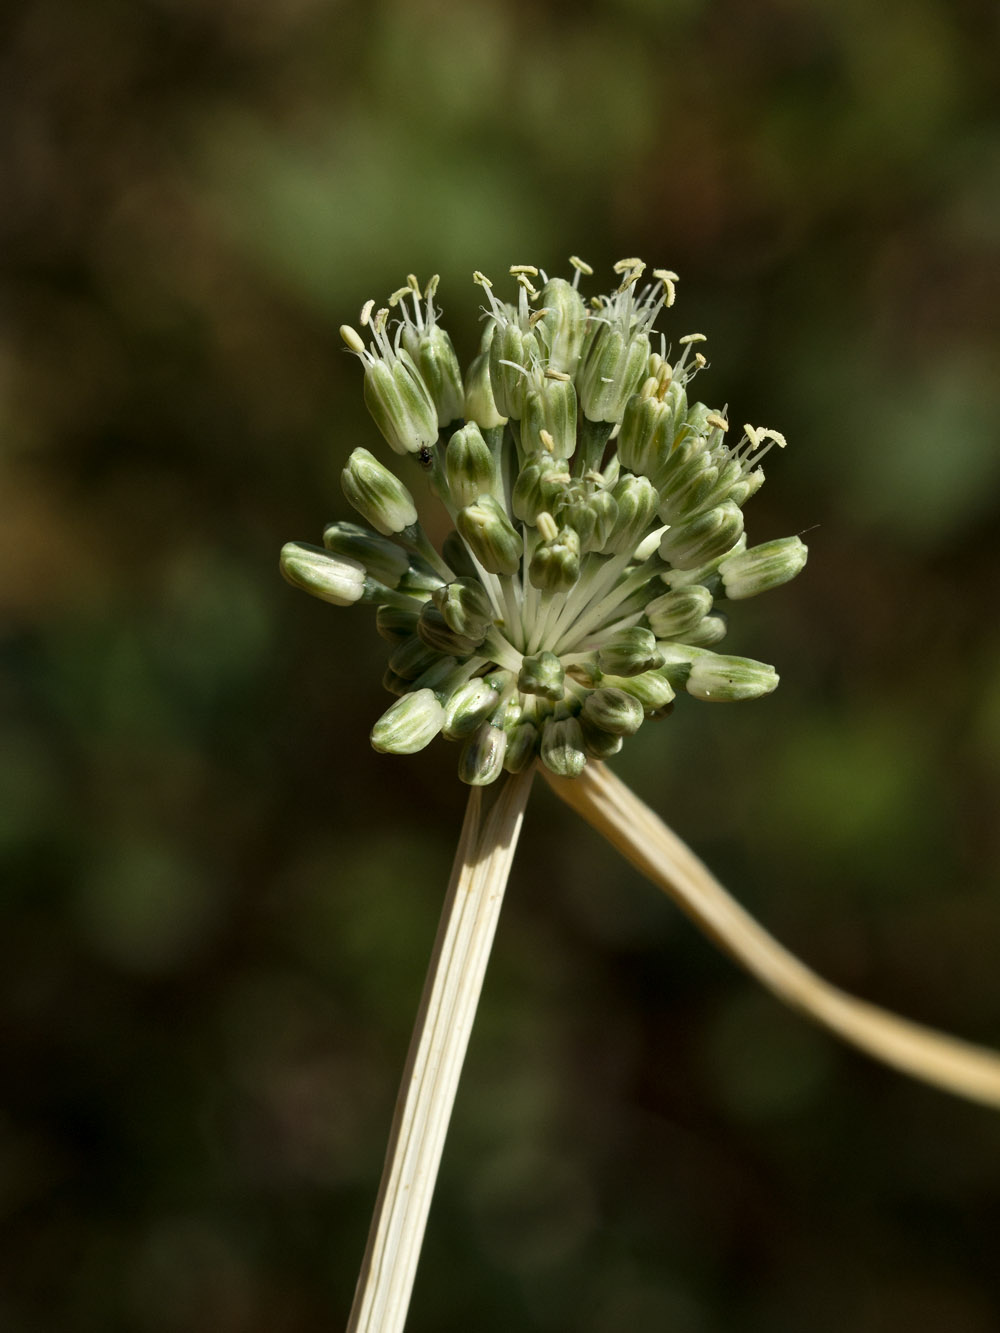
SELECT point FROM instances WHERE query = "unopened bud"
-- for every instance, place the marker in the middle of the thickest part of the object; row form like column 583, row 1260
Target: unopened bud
column 637, row 501
column 469, row 466
column 555, row 564
column 543, row 675
column 438, row 366
column 550, row 405
column 762, row 567
column 562, row 747
column 630, row 652
column 611, row 372
column 409, row 724
column 480, row 405
column 703, row 538
column 613, row 711
column 522, row 746
column 395, row 624
column 377, row 494
column 465, row 607
column 481, row 759
column 560, row 330
column 653, row 690
column 491, row 536
column 673, row 614
column 512, row 353
column 470, row 706
column 332, row 578
column 384, row 560
column 721, row 679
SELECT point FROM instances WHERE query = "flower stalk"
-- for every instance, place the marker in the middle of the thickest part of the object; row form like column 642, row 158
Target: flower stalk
column 437, row 1050
column 610, row 807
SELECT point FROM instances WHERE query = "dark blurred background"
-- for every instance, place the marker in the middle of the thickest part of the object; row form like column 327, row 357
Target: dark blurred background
column 219, row 902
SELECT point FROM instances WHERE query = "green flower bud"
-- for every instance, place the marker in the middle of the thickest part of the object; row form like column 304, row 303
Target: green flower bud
column 465, row 607
column 420, row 578
column 762, row 567
column 395, row 684
column 469, row 466
column 549, row 405
column 555, row 562
column 560, row 330
column 720, row 679
column 480, row 405
column 384, row 560
column 648, row 428
column 538, row 487
column 613, row 711
column 395, row 624
column 400, row 403
column 637, row 501
column 599, row 744
column 409, row 724
column 697, row 418
column 653, row 690
column 562, row 748
column 412, row 657
column 332, row 578
column 611, row 372
column 673, row 614
column 543, row 675
column 437, row 634
column 469, row 706
column 522, row 746
column 512, row 353
column 707, row 632
column 691, row 490
column 482, row 756
column 490, row 536
column 703, row 538
column 630, row 652
column 377, row 494
column 604, row 516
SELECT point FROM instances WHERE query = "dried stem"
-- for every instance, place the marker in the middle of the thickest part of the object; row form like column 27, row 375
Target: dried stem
column 437, row 1051
column 642, row 837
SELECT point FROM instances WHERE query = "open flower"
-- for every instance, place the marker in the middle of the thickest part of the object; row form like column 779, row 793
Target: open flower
column 598, row 516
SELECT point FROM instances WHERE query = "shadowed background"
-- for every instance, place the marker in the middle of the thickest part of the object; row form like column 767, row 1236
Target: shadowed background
column 218, row 901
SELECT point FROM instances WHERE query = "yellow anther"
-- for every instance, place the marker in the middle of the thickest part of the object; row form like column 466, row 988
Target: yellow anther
column 516, row 269
column 580, row 265
column 481, row 279
column 536, row 315
column 547, row 527
column 700, row 361
column 630, row 266
column 525, row 282
column 557, row 375
column 352, row 338
column 432, row 286
column 548, row 443
column 414, row 286
column 719, row 422
column 399, row 293
column 366, row 312
column 693, row 338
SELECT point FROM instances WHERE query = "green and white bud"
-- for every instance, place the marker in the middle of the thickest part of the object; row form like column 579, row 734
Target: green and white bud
column 438, row 366
column 377, row 494
column 409, row 724
column 332, row 578
column 394, row 684
column 599, row 744
column 395, row 624
column 719, row 679
column 555, row 562
column 469, row 706
column 465, row 607
column 630, row 652
column 522, row 746
column 490, row 536
column 384, row 560
column 542, row 674
column 673, row 614
column 434, row 631
column 653, row 690
column 458, row 558
column 703, row 538
column 469, row 466
column 481, row 759
column 613, row 711
column 562, row 747
column 412, row 657
column 707, row 632
column 762, row 567
column 637, row 501
column 560, row 330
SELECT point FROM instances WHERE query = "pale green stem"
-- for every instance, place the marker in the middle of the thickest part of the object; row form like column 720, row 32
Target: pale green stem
column 437, row 1051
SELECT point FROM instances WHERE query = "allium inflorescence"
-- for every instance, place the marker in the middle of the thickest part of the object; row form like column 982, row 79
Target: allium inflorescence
column 598, row 523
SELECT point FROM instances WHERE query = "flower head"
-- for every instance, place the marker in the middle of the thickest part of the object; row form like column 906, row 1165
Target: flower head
column 598, row 525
